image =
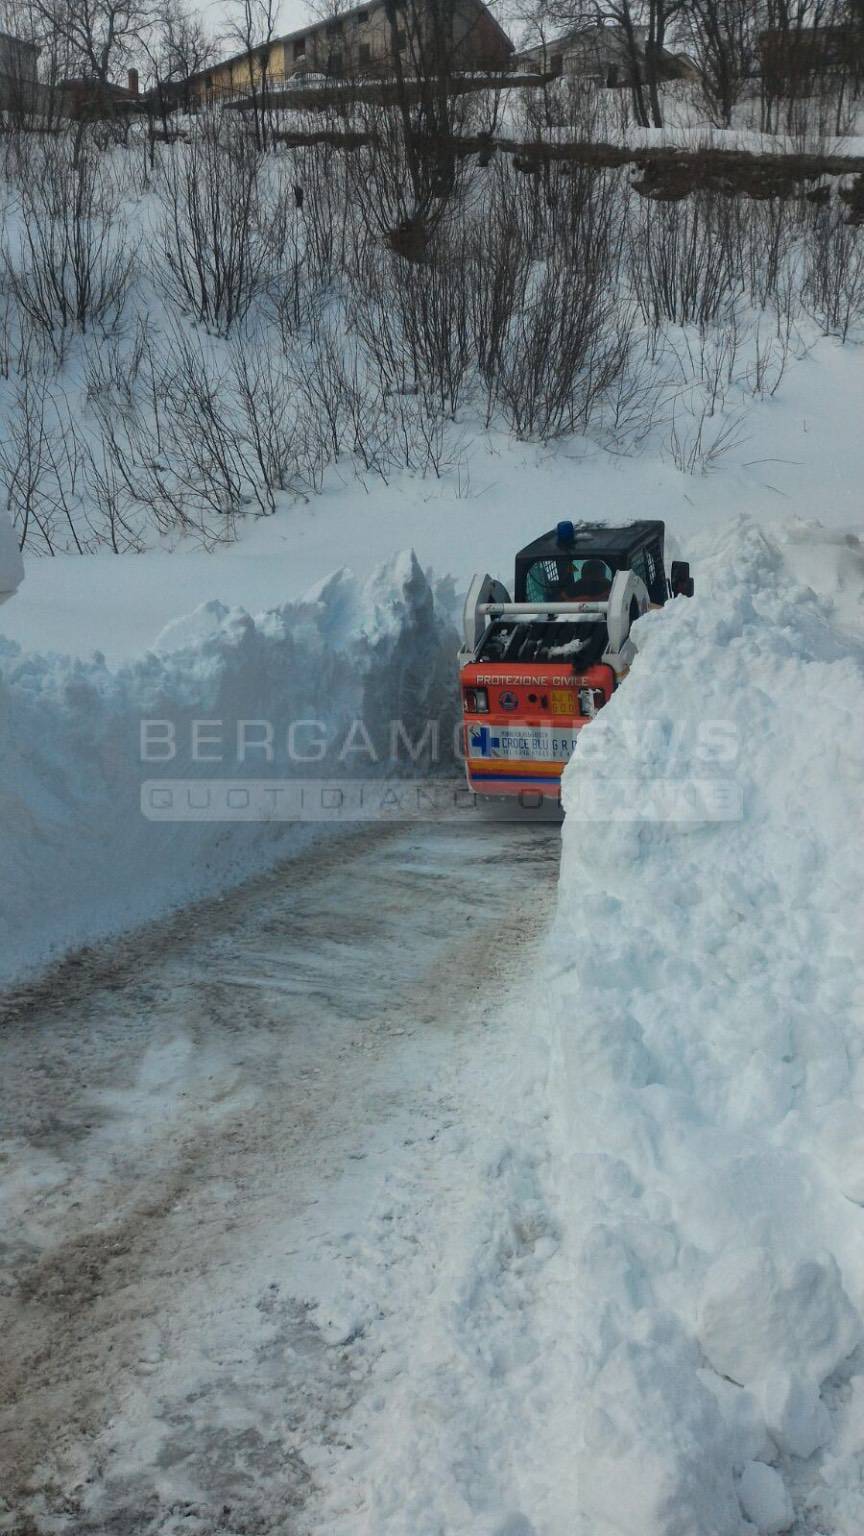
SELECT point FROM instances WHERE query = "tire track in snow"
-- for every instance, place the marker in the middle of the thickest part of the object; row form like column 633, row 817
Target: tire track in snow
column 200, row 1134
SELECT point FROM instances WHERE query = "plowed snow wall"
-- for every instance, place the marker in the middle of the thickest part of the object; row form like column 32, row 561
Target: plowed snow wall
column 79, row 859
column 710, row 1061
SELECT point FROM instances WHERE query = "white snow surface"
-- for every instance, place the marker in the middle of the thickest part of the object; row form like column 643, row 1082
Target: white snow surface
column 628, row 1300
column 765, row 1499
column 619, row 1290
column 80, row 861
column 708, row 1065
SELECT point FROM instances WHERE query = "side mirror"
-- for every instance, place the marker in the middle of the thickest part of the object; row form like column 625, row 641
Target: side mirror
column 680, row 579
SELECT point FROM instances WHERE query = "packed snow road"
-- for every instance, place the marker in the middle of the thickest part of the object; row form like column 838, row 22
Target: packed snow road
column 251, row 1166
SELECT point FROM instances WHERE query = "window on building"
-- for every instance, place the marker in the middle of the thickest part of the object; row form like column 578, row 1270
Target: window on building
column 334, row 61
column 299, row 47
column 400, row 39
column 334, row 26
column 364, row 54
column 361, row 17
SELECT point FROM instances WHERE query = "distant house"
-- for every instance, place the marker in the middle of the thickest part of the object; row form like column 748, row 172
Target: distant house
column 361, row 42
column 788, row 58
column 18, row 86
column 606, row 56
column 84, row 98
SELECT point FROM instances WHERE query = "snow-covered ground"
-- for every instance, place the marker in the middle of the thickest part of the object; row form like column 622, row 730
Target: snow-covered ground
column 269, row 1216
column 382, row 1195
column 516, row 111
column 687, row 123
column 377, row 1197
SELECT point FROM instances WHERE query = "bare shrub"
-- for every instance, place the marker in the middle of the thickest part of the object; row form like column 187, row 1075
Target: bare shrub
column 697, row 445
column 770, row 238
column 834, row 280
column 170, row 453
column 373, row 317
column 708, row 356
column 213, row 245
column 683, row 260
column 71, row 266
column 280, row 440
column 434, row 314
column 566, row 344
column 323, row 175
column 202, row 449
column 564, row 352
column 24, row 466
column 119, row 522
column 499, row 268
column 40, row 464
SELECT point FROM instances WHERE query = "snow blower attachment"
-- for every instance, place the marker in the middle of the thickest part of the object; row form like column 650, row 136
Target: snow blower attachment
column 535, row 670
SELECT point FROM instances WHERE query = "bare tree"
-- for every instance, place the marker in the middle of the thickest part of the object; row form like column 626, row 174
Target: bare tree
column 723, row 35
column 252, row 30
column 97, row 37
column 177, row 47
column 541, row 25
column 643, row 27
column 796, row 47
column 407, row 176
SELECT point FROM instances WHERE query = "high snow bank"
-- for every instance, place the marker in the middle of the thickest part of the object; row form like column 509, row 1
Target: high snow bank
column 712, row 1062
column 80, row 860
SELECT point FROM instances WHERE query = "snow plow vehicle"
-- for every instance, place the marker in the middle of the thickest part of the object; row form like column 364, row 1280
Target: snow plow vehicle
column 536, row 669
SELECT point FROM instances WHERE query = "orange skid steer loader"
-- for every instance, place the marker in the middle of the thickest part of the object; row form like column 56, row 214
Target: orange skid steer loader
column 536, row 669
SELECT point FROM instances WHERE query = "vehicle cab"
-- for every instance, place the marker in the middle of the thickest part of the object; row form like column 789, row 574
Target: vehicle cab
column 536, row 669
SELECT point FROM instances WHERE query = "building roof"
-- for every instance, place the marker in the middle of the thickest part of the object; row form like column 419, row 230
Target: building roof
column 22, row 42
column 596, row 31
column 103, row 87
column 353, row 13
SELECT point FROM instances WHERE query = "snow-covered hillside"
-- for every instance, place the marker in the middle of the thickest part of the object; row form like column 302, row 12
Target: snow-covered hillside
column 798, row 454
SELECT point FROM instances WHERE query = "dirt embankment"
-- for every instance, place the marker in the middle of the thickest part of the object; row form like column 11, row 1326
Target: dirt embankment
column 665, row 174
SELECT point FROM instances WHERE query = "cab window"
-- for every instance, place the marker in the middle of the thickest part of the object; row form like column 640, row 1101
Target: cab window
column 548, row 581
column 647, row 564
